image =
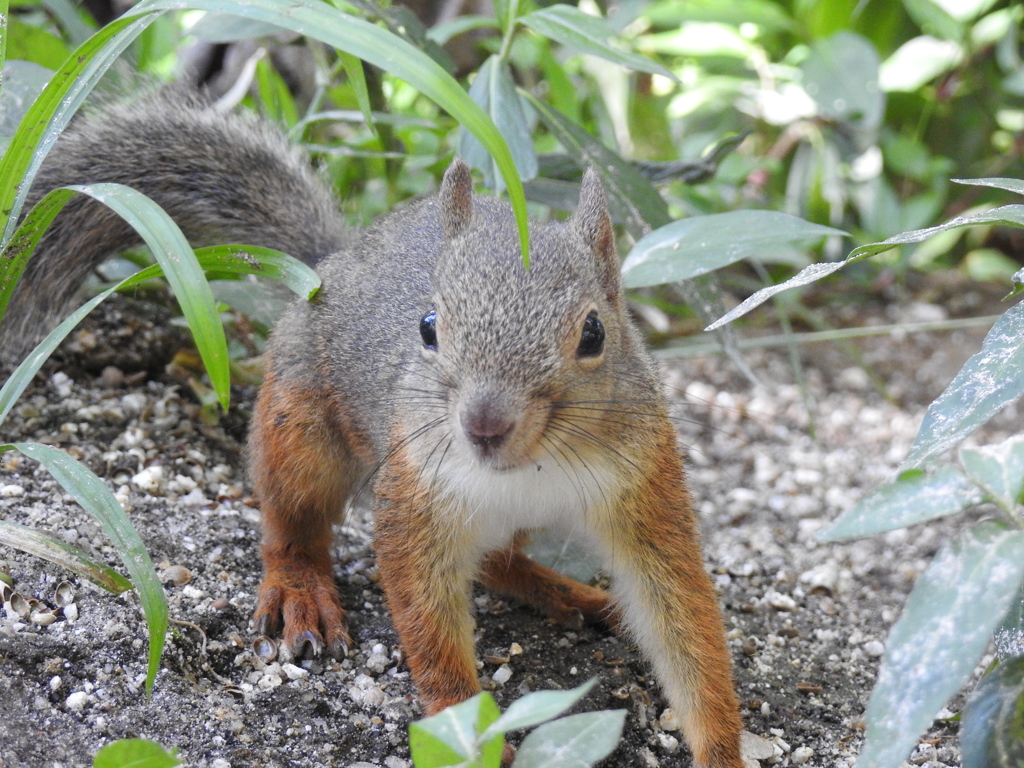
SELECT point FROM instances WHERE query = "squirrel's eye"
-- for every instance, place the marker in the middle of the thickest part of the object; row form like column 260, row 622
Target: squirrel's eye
column 428, row 331
column 592, row 338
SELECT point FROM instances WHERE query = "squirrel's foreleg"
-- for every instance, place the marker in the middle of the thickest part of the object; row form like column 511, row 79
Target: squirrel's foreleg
column 303, row 473
column 668, row 603
column 427, row 564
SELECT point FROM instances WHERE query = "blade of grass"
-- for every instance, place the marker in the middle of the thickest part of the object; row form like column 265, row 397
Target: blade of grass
column 94, row 496
column 182, row 271
column 61, row 553
column 15, row 256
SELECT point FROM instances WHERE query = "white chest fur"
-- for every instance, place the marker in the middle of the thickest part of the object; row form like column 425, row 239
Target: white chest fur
column 545, row 494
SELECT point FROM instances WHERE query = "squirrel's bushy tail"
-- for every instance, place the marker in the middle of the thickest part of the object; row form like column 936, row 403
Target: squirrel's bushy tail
column 222, row 178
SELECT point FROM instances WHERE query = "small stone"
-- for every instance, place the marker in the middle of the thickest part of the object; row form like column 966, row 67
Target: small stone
column 756, row 747
column 377, row 662
column 502, row 674
column 178, row 575
column 668, row 743
column 669, row 721
column 11, row 491
column 801, row 755
column 373, row 697
column 76, row 701
column 780, row 602
column 293, row 672
column 515, row 649
column 267, row 682
column 149, row 479
column 874, row 649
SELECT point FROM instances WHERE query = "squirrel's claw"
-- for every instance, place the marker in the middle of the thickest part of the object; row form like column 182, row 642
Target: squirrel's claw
column 338, row 649
column 304, row 607
column 308, row 646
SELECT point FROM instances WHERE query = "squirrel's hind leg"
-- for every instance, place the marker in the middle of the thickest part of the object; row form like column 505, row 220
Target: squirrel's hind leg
column 303, row 471
column 512, row 573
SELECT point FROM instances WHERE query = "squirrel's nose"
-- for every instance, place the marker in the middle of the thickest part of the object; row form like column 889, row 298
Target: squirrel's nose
column 486, row 426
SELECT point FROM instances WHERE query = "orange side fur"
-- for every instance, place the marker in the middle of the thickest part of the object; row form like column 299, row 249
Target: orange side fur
column 669, row 604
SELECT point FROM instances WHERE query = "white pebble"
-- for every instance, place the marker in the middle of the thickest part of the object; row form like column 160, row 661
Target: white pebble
column 502, row 674
column 55, row 683
column 269, row 681
column 668, row 743
column 780, row 602
column 10, row 491
column 149, row 479
column 377, row 662
column 76, row 701
column 373, row 697
column 874, row 649
column 220, row 762
column 293, row 672
column 668, row 721
column 801, row 755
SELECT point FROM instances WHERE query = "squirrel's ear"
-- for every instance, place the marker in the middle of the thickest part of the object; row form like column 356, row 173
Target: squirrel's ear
column 595, row 226
column 456, row 198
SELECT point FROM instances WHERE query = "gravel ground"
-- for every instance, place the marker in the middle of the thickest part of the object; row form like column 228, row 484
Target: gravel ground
column 769, row 466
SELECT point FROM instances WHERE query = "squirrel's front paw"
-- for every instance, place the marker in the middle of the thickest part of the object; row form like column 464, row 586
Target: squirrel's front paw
column 312, row 616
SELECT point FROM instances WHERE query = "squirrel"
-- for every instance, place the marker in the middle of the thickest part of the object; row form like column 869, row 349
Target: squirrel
column 478, row 399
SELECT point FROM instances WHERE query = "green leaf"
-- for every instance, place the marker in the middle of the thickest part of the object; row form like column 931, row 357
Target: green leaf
column 698, row 245
column 457, row 736
column 987, row 382
column 588, row 34
column 357, row 80
column 912, row 498
column 934, row 19
column 1008, row 215
column 1018, row 285
column 992, row 727
column 1010, row 185
column 841, row 75
column 1009, row 639
column 94, row 496
column 945, row 627
column 228, row 28
column 999, row 469
column 15, row 256
column 632, row 199
column 182, row 271
column 538, row 707
column 917, row 62
column 253, row 260
column 495, row 92
column 431, row 751
column 763, row 13
column 442, row 33
column 61, row 553
column 577, row 741
column 135, row 753
column 34, row 44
